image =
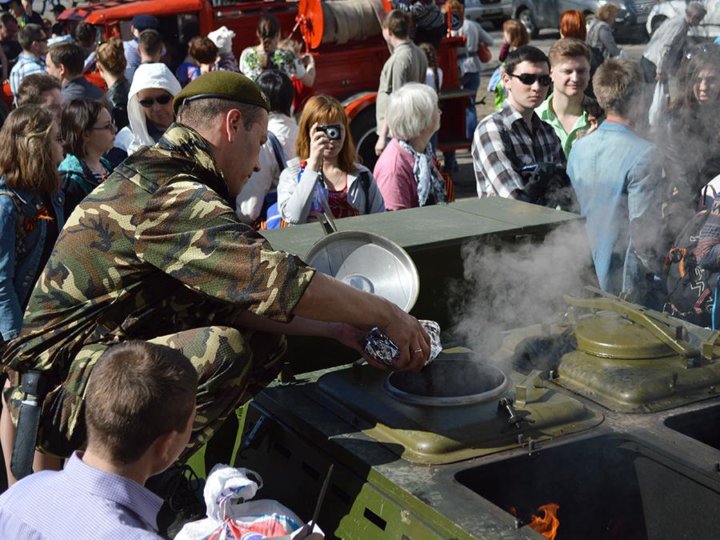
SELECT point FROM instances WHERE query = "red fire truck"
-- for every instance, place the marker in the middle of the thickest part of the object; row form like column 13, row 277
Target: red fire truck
column 349, row 71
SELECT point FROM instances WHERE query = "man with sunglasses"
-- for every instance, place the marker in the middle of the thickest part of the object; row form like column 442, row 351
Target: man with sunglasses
column 515, row 137
column 34, row 44
column 157, row 253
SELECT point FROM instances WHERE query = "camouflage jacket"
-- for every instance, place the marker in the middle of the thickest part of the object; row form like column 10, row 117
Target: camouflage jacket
column 157, row 238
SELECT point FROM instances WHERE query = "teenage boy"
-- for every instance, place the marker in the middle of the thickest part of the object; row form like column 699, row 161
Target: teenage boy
column 515, row 137
column 139, row 411
column 616, row 176
column 65, row 62
column 570, row 73
column 33, row 41
column 407, row 63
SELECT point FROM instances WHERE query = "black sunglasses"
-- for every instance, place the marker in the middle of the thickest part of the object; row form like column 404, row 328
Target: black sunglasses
column 529, row 80
column 162, row 100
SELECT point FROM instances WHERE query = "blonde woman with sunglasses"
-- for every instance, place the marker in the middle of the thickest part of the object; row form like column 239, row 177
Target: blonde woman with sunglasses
column 150, row 110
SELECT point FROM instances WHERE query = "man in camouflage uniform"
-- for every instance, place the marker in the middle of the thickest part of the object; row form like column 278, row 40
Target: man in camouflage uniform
column 157, row 253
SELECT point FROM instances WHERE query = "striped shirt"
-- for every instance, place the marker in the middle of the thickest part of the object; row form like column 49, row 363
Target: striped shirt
column 26, row 64
column 503, row 145
column 78, row 503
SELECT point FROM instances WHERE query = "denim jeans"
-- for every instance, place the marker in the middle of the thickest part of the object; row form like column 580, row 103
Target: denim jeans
column 470, row 81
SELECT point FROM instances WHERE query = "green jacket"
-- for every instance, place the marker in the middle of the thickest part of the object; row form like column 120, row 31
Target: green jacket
column 156, row 237
column 77, row 180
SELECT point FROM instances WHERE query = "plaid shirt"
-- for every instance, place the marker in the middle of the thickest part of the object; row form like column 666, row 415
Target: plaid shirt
column 503, row 145
column 26, row 64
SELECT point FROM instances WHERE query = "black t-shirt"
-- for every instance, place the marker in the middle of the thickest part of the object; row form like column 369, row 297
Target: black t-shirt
column 12, row 50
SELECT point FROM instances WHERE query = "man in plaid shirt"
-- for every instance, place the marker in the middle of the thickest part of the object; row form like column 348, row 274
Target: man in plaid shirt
column 515, row 137
column 34, row 44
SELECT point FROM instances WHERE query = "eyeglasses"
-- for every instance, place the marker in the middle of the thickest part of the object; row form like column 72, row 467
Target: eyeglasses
column 110, row 126
column 529, row 79
column 161, row 100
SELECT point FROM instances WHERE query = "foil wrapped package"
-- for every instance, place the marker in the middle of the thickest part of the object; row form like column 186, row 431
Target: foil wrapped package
column 383, row 349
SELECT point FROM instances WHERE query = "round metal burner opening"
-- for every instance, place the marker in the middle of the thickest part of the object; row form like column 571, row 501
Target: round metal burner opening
column 447, row 383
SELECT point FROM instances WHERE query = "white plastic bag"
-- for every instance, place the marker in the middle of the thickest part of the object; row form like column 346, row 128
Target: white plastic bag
column 659, row 104
column 231, row 514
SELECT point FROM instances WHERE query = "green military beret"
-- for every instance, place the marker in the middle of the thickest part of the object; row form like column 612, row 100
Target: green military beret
column 223, row 85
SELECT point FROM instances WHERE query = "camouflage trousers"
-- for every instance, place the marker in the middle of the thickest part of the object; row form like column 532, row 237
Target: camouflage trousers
column 232, row 364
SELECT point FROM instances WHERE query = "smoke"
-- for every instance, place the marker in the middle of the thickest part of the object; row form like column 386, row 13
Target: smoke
column 513, row 285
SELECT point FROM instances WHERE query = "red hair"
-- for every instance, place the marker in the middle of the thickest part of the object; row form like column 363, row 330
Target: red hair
column 573, row 25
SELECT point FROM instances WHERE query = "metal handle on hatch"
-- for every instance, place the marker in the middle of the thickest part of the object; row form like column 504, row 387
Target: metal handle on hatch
column 639, row 315
column 326, row 218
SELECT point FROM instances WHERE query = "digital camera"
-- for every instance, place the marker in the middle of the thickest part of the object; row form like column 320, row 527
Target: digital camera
column 333, row 131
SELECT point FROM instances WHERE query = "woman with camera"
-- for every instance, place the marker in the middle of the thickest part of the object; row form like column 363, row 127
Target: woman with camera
column 324, row 176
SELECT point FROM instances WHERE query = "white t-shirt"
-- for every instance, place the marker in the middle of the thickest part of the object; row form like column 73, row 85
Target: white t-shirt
column 249, row 203
column 430, row 78
column 285, row 128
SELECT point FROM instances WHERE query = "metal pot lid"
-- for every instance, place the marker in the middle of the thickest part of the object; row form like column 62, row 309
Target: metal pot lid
column 616, row 337
column 450, row 380
column 368, row 262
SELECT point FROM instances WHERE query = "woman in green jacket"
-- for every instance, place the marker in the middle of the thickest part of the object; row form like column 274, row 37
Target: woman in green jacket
column 88, row 132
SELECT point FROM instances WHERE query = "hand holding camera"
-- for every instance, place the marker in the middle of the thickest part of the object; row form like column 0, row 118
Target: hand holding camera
column 321, row 137
column 333, row 131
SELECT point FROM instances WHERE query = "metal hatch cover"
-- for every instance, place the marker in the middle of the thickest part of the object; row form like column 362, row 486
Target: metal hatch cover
column 435, row 435
column 617, row 337
column 638, row 374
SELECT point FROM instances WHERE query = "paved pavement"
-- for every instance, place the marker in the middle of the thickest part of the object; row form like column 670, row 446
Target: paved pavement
column 465, row 178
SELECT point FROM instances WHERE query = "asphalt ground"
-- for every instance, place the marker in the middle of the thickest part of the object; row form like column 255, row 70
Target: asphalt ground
column 464, row 179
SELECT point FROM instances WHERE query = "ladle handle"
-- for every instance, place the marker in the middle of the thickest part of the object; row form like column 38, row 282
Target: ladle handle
column 639, row 315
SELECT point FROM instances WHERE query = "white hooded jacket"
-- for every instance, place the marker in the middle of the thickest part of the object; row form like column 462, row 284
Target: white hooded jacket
column 135, row 135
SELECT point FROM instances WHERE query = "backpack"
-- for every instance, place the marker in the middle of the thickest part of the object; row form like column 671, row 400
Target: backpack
column 548, row 184
column 269, row 217
column 690, row 288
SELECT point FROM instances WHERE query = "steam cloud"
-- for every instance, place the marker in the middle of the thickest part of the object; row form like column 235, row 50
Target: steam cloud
column 513, row 285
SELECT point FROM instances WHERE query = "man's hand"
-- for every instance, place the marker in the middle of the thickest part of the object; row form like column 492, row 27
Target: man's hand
column 412, row 340
column 327, row 299
column 659, row 76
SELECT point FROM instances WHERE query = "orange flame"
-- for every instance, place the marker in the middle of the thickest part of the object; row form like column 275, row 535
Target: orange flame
column 548, row 524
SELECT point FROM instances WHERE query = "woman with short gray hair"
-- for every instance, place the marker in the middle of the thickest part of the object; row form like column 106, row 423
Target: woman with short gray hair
column 407, row 172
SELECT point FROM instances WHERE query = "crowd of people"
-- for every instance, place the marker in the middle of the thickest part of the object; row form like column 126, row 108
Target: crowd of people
column 146, row 197
column 634, row 152
column 135, row 208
